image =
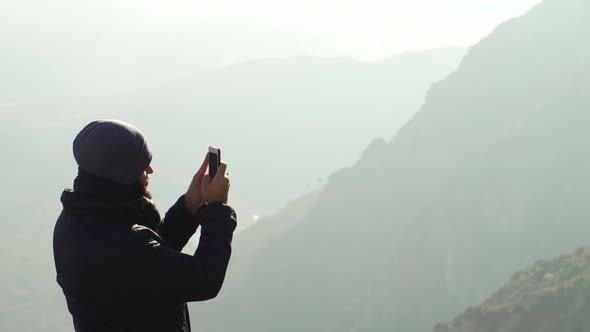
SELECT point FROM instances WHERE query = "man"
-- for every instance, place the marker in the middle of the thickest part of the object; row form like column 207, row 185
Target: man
column 119, row 264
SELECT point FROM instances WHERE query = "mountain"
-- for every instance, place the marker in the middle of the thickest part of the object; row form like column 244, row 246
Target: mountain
column 301, row 116
column 433, row 220
column 47, row 61
column 551, row 295
column 256, row 240
column 283, row 125
column 69, row 50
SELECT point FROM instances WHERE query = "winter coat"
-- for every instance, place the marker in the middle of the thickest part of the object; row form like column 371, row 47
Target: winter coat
column 120, row 266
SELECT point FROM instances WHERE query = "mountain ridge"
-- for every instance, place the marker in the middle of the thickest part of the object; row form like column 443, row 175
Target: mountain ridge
column 446, row 204
column 550, row 295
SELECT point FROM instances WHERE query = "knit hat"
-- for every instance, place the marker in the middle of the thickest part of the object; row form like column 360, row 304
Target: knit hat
column 112, row 149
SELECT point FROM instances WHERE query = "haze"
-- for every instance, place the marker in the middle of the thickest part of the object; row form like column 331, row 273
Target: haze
column 231, row 31
column 396, row 166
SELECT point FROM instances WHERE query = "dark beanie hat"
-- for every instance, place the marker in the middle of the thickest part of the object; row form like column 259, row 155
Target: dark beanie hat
column 112, row 149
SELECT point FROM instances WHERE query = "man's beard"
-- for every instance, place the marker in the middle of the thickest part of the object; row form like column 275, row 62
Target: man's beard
column 147, row 193
column 144, row 190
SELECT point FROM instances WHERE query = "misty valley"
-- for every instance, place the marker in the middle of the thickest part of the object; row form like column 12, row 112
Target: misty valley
column 442, row 190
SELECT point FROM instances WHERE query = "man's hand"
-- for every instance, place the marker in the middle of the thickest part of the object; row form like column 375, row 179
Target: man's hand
column 216, row 190
column 193, row 199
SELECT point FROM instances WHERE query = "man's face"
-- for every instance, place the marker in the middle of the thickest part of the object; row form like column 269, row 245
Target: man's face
column 144, row 181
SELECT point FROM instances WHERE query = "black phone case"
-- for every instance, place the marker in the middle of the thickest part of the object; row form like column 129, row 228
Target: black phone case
column 214, row 161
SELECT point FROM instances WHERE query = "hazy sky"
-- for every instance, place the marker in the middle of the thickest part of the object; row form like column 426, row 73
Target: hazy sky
column 368, row 28
column 235, row 29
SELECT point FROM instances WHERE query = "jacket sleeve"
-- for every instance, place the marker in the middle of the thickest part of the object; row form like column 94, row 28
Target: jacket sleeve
column 178, row 226
column 163, row 273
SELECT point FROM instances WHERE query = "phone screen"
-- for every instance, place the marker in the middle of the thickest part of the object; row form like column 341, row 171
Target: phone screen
column 214, row 160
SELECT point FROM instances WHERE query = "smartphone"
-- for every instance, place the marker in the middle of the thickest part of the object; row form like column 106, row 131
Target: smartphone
column 214, row 160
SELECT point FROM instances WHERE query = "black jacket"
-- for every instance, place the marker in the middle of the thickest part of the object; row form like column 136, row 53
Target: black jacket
column 120, row 266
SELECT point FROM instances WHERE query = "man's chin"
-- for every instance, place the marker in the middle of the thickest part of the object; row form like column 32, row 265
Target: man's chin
column 147, row 193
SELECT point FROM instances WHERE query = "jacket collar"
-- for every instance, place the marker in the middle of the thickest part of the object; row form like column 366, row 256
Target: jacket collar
column 100, row 197
column 105, row 189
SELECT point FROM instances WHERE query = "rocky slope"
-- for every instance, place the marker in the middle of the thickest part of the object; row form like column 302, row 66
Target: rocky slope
column 551, row 295
column 432, row 221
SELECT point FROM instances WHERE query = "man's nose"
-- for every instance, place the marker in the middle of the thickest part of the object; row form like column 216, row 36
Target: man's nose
column 149, row 170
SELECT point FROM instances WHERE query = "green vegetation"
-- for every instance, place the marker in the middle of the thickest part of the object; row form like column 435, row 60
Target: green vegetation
column 551, row 295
